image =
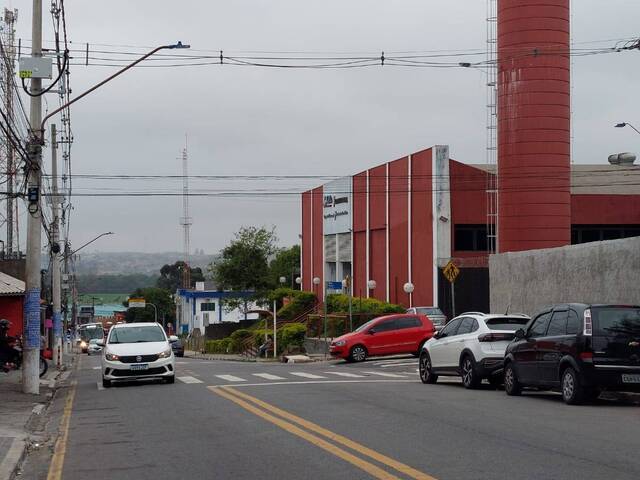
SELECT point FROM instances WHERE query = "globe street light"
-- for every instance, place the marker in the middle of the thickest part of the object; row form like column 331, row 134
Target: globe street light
column 371, row 285
column 409, row 288
column 283, row 280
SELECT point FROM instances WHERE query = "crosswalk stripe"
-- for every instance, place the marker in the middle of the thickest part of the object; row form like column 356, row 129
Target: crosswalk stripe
column 188, row 379
column 268, row 376
column 385, row 374
column 398, row 364
column 345, row 374
column 306, row 375
column 231, row 378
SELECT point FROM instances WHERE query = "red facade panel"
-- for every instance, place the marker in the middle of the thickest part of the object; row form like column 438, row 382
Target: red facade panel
column 398, row 231
column 378, row 259
column 318, row 244
column 307, row 253
column 378, row 197
column 605, row 209
column 359, row 211
column 11, row 309
column 534, row 124
column 422, row 228
column 359, row 264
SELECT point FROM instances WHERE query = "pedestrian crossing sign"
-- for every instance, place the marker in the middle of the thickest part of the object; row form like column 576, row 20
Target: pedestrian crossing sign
column 451, row 271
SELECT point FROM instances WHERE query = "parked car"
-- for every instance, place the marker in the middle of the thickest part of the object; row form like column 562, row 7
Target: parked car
column 434, row 313
column 580, row 349
column 137, row 351
column 471, row 346
column 178, row 348
column 388, row 335
column 93, row 346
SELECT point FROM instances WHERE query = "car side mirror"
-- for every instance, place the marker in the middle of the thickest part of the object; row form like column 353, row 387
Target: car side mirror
column 100, row 343
column 173, row 338
column 520, row 334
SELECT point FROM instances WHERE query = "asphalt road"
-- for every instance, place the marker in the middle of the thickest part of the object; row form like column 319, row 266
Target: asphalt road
column 228, row 420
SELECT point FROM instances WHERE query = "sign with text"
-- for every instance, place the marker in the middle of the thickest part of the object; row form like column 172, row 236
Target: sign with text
column 137, row 303
column 336, row 206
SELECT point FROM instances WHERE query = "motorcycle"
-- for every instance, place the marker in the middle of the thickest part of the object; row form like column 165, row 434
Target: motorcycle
column 16, row 344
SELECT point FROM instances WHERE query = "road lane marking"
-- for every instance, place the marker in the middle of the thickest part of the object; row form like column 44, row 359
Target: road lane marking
column 306, row 375
column 339, row 439
column 57, row 461
column 345, row 374
column 231, row 378
column 267, row 376
column 398, row 364
column 100, row 386
column 368, row 467
column 188, row 379
column 385, row 374
column 96, row 368
column 311, row 382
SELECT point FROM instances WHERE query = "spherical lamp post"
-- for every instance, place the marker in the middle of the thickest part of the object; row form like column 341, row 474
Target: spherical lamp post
column 409, row 288
column 371, row 285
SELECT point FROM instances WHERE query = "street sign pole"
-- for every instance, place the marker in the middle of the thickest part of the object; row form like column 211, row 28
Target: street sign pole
column 453, row 299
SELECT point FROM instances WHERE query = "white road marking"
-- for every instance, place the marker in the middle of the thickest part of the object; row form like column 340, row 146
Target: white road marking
column 98, row 368
column 398, row 364
column 188, row 379
column 37, row 409
column 306, row 375
column 345, row 374
column 314, row 382
column 231, row 378
column 267, row 376
column 100, row 387
column 384, row 374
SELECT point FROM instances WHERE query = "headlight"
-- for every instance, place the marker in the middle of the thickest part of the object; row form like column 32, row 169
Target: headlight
column 111, row 357
column 165, row 354
column 340, row 343
column 83, row 344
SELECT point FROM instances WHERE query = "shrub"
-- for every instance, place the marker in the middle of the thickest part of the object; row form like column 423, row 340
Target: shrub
column 300, row 302
column 237, row 338
column 291, row 335
column 339, row 303
column 218, row 346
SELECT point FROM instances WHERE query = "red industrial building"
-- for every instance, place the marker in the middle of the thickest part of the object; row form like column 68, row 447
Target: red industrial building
column 404, row 220
column 11, row 302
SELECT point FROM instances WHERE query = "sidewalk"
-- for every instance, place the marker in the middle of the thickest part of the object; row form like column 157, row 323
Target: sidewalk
column 242, row 358
column 17, row 409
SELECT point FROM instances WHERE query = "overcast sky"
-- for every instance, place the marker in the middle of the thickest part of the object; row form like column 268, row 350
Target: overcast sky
column 250, row 120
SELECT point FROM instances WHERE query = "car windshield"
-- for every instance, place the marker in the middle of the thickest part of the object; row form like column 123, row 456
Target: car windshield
column 429, row 311
column 94, row 341
column 506, row 323
column 619, row 321
column 140, row 334
column 89, row 333
column 365, row 325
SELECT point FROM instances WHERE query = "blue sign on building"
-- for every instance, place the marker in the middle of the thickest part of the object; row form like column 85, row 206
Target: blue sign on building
column 334, row 285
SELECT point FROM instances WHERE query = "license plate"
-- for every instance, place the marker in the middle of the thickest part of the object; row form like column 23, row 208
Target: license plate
column 141, row 366
column 630, row 378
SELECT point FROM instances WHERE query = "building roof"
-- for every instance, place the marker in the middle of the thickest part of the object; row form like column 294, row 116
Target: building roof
column 10, row 285
column 598, row 179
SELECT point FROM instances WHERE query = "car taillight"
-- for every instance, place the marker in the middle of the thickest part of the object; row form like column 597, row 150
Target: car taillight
column 586, row 356
column 495, row 337
column 588, row 325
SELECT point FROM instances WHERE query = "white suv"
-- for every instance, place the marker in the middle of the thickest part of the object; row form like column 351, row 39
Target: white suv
column 471, row 346
column 135, row 351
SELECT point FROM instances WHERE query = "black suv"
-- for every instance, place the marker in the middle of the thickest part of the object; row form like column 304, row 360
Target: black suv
column 577, row 348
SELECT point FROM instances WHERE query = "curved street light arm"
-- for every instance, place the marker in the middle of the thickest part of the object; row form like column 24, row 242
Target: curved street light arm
column 88, row 243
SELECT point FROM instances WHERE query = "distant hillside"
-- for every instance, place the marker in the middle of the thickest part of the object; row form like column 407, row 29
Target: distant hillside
column 114, row 263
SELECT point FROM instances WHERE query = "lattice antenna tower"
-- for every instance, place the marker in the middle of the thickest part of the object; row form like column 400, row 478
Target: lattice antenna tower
column 492, row 126
column 186, row 220
column 8, row 155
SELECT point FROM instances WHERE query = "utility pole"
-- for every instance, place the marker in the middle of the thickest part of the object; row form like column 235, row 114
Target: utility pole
column 55, row 252
column 10, row 17
column 31, row 352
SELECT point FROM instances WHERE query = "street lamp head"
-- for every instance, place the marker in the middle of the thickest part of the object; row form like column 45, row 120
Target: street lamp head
column 408, row 287
column 371, row 284
column 179, row 45
column 316, row 280
column 298, row 280
column 620, row 125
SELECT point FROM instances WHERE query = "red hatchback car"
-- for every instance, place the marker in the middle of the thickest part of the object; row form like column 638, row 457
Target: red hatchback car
column 388, row 335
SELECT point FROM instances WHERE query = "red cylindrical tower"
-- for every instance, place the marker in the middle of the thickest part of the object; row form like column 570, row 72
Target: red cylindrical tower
column 534, row 113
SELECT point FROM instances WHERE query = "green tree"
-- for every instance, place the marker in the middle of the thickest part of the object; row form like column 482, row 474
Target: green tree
column 171, row 276
column 160, row 297
column 244, row 263
column 285, row 264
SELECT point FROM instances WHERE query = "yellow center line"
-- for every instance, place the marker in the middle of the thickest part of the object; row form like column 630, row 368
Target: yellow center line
column 57, row 462
column 370, row 468
column 385, row 460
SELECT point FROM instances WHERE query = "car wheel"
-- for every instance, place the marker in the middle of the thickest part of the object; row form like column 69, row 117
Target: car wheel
column 358, row 354
column 511, row 384
column 573, row 393
column 426, row 372
column 106, row 383
column 470, row 377
column 170, row 379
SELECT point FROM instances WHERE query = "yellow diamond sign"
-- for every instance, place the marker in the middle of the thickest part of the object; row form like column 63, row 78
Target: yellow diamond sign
column 451, row 271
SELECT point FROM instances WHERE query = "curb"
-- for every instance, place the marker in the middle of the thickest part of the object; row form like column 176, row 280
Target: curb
column 14, row 458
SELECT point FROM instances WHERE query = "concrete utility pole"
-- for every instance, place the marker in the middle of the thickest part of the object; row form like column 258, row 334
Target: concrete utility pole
column 31, row 346
column 55, row 252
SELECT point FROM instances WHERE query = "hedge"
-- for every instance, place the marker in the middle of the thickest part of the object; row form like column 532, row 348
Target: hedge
column 218, row 346
column 339, row 303
column 289, row 335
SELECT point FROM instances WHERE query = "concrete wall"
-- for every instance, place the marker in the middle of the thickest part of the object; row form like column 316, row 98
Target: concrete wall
column 598, row 272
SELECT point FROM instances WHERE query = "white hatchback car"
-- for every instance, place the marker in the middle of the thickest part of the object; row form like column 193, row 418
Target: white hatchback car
column 471, row 346
column 135, row 351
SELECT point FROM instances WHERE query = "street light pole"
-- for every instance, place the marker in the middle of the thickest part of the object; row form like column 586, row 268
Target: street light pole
column 31, row 352
column 88, row 243
column 155, row 309
column 55, row 253
column 626, row 124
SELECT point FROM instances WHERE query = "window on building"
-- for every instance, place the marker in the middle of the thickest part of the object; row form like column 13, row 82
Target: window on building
column 597, row 233
column 208, row 307
column 470, row 238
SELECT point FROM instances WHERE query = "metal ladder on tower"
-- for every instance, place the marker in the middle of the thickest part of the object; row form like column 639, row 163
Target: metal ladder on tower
column 492, row 126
